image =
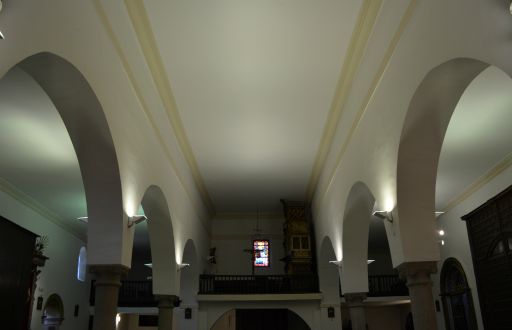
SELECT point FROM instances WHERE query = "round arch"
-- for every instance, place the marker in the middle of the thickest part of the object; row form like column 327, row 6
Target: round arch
column 355, row 233
column 458, row 308
column 53, row 312
column 328, row 273
column 87, row 126
column 189, row 274
column 425, row 126
column 227, row 318
column 161, row 238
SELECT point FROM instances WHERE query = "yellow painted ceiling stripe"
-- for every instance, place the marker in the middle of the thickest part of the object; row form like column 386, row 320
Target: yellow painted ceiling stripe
column 375, row 83
column 146, row 38
column 131, row 77
column 360, row 36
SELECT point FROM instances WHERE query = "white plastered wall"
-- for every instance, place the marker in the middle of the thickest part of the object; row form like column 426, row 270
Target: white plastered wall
column 73, row 30
column 59, row 273
column 472, row 29
column 456, row 237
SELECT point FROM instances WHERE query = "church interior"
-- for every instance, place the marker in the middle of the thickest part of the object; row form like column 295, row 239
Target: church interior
column 243, row 165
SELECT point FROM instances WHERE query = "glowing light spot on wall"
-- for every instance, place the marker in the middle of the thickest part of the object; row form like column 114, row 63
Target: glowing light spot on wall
column 82, row 265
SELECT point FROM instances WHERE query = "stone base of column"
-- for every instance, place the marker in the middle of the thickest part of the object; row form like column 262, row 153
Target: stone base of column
column 417, row 275
column 166, row 304
column 106, row 289
column 355, row 303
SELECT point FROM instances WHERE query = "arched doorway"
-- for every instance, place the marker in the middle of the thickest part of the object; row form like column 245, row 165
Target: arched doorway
column 260, row 318
column 53, row 313
column 459, row 313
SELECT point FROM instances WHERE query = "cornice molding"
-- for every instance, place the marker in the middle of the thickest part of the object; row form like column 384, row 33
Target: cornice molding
column 146, row 38
column 143, row 104
column 9, row 189
column 406, row 17
column 355, row 51
column 479, row 183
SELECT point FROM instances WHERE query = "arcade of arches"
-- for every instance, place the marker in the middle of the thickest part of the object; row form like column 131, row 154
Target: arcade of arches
column 237, row 165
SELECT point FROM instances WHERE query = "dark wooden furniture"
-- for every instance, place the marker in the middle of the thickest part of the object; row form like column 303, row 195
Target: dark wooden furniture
column 490, row 236
column 16, row 275
column 298, row 239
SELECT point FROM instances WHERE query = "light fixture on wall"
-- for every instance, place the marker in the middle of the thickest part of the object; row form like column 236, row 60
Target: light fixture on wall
column 384, row 215
column 340, row 262
column 183, row 265
column 441, row 232
column 83, row 219
column 136, row 219
column 438, row 213
column 150, row 265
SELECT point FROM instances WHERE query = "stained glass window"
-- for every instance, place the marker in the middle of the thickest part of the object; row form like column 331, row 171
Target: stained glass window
column 261, row 253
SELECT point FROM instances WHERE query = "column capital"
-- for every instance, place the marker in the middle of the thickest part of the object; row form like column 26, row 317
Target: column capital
column 166, row 300
column 108, row 274
column 355, row 299
column 417, row 272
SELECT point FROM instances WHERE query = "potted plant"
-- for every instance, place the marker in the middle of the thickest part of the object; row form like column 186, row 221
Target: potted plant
column 39, row 258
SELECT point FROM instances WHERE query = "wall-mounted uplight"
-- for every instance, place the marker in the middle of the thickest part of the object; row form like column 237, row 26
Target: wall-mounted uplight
column 384, row 215
column 150, row 265
column 442, row 242
column 136, row 219
column 181, row 266
column 83, row 219
column 340, row 262
column 2, row 36
column 438, row 213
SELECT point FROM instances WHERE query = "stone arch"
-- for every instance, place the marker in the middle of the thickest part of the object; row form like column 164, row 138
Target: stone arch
column 328, row 273
column 161, row 238
column 53, row 312
column 218, row 320
column 87, row 126
column 424, row 128
column 189, row 275
column 355, row 232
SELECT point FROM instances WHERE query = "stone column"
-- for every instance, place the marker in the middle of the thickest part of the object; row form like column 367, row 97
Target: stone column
column 165, row 310
column 106, row 288
column 417, row 275
column 355, row 303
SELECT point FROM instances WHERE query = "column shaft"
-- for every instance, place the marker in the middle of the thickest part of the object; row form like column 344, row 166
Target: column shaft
column 106, row 287
column 417, row 275
column 355, row 303
column 165, row 311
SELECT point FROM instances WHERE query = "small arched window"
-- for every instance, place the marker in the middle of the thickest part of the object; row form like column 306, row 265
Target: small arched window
column 82, row 264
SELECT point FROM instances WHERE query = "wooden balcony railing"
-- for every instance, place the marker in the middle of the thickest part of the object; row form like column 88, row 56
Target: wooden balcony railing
column 140, row 293
column 257, row 284
column 385, row 286
column 132, row 294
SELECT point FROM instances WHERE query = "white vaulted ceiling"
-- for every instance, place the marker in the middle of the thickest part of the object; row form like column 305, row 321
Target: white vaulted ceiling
column 253, row 83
